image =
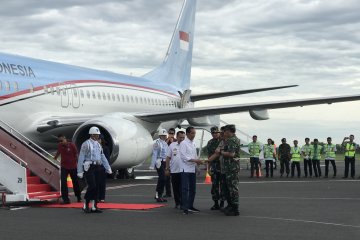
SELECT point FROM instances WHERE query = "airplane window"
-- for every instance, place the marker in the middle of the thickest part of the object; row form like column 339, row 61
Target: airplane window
column 81, row 93
column 113, row 96
column 58, row 90
column 104, row 96
column 88, row 93
column 108, row 96
column 93, row 94
column 132, row 99
column 75, row 92
column 99, row 95
column 16, row 86
column 7, row 86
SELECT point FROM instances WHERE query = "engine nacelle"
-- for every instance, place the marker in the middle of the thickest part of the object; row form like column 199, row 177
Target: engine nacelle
column 259, row 114
column 213, row 120
column 130, row 142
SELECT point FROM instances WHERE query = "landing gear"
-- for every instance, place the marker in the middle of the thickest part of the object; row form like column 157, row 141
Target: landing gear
column 126, row 173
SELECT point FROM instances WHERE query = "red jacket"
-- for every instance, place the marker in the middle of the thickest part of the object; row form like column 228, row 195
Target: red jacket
column 68, row 154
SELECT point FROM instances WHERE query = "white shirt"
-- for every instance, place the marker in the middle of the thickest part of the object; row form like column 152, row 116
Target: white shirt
column 187, row 152
column 174, row 155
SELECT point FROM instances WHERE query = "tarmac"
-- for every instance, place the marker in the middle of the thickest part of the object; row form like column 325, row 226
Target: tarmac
column 274, row 208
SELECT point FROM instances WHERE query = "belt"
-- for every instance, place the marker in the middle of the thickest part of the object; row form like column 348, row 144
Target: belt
column 95, row 162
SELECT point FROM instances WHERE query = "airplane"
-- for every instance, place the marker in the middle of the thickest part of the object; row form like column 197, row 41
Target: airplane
column 42, row 99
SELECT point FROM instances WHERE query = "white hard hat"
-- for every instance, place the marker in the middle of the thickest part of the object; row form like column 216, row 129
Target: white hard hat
column 162, row 132
column 94, row 130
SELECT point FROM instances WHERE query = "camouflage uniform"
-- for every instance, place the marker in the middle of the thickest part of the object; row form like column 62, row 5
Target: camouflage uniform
column 214, row 169
column 232, row 169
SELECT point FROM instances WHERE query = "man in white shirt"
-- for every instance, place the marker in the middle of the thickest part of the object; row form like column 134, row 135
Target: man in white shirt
column 189, row 159
column 173, row 162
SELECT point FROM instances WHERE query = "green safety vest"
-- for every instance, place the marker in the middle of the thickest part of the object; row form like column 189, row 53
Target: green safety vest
column 295, row 156
column 268, row 151
column 329, row 151
column 254, row 149
column 306, row 149
column 350, row 149
column 315, row 155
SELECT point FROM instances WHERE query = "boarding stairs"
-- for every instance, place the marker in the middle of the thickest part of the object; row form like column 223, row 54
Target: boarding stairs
column 27, row 172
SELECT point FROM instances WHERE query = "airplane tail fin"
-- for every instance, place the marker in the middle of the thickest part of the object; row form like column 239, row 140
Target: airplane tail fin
column 176, row 67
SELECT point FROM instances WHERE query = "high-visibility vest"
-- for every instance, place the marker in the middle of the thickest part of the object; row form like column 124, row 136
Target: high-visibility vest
column 306, row 149
column 295, row 156
column 254, row 149
column 268, row 151
column 329, row 151
column 350, row 149
column 315, row 155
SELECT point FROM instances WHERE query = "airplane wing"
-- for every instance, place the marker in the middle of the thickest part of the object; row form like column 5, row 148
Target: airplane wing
column 226, row 109
column 199, row 97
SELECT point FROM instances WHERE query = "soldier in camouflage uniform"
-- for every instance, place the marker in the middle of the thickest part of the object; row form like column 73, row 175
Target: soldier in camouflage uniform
column 214, row 167
column 232, row 168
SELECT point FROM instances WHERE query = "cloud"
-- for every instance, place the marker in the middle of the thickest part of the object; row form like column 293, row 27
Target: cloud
column 239, row 44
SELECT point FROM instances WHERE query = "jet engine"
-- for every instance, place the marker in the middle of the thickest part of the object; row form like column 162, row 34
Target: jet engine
column 130, row 143
column 259, row 114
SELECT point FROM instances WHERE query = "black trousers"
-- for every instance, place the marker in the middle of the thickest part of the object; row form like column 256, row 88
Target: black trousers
column 102, row 184
column 349, row 161
column 284, row 166
column 327, row 167
column 161, row 179
column 254, row 163
column 176, row 185
column 317, row 169
column 64, row 189
column 307, row 164
column 269, row 164
column 297, row 165
column 92, row 177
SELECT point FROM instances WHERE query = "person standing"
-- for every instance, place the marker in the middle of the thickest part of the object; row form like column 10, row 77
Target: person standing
column 330, row 154
column 158, row 161
column 254, row 148
column 173, row 163
column 90, row 163
column 103, row 175
column 269, row 156
column 214, row 167
column 315, row 155
column 170, row 139
column 284, row 157
column 305, row 151
column 231, row 153
column 350, row 148
column 69, row 155
column 189, row 159
column 295, row 159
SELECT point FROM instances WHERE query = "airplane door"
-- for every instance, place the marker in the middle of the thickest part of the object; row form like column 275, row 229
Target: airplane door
column 65, row 99
column 75, row 96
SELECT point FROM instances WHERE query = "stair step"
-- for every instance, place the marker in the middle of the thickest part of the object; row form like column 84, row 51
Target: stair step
column 44, row 195
column 38, row 188
column 33, row 180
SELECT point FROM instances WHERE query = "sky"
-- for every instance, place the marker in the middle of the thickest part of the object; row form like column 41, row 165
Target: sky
column 239, row 44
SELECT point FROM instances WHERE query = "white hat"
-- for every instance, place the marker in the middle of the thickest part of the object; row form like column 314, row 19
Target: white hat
column 94, row 130
column 162, row 132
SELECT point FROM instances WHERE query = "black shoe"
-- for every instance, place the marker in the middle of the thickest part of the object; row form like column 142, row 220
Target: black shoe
column 66, row 201
column 193, row 210
column 215, row 207
column 232, row 212
column 185, row 212
column 221, row 204
column 160, row 200
column 96, row 210
column 79, row 199
column 86, row 210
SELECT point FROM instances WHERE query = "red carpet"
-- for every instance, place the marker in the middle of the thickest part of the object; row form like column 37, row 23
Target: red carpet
column 122, row 206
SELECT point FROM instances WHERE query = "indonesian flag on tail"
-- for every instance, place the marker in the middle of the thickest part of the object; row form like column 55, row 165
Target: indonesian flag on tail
column 184, row 40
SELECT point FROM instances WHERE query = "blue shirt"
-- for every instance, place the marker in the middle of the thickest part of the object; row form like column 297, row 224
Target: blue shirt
column 91, row 150
column 160, row 150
